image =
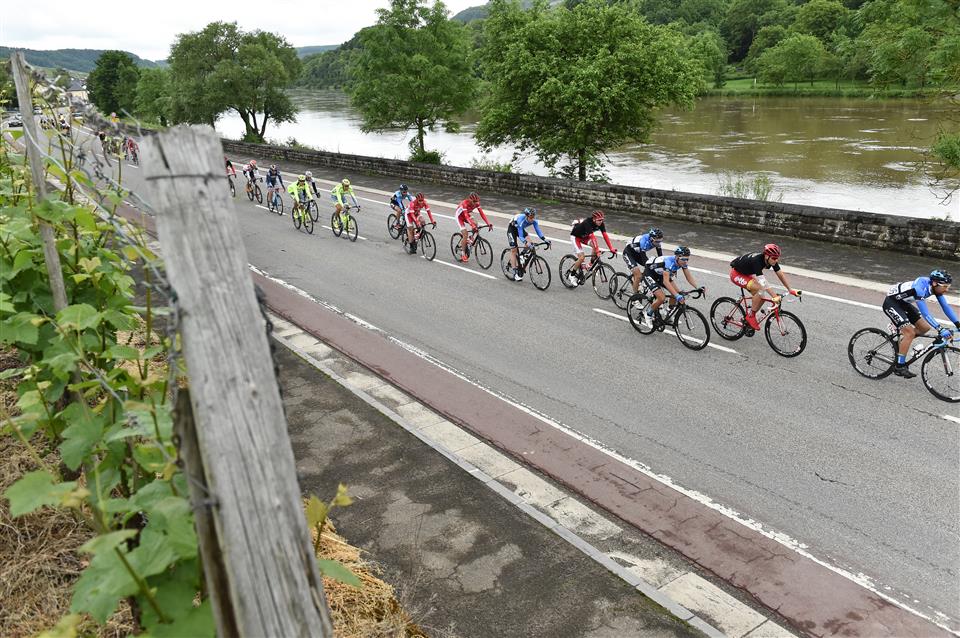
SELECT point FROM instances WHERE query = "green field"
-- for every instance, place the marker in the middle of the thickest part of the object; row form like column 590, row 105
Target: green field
column 818, row 88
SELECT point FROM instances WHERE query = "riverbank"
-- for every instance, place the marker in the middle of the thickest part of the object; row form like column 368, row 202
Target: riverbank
column 749, row 87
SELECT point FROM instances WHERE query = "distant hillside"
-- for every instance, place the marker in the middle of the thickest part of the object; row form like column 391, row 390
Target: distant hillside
column 305, row 51
column 471, row 13
column 71, row 59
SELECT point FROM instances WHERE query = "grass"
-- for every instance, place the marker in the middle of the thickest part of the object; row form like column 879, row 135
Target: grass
column 740, row 87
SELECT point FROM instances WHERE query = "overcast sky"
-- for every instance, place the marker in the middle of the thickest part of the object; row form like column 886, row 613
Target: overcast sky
column 148, row 29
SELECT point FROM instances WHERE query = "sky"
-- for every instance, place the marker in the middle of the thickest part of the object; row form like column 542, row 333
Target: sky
column 148, row 29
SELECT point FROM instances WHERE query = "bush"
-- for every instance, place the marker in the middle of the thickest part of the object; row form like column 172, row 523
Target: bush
column 759, row 187
column 486, row 164
column 426, row 157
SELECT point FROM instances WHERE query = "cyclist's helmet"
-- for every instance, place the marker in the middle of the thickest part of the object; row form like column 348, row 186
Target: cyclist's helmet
column 420, row 198
column 403, row 188
column 302, row 178
column 530, row 212
column 656, row 233
column 273, row 167
column 309, row 174
column 941, row 276
column 681, row 251
column 772, row 251
column 253, row 162
column 345, row 182
column 597, row 216
column 474, row 198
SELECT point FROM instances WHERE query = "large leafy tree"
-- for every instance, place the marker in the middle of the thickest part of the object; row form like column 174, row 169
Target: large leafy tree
column 821, row 18
column 112, row 85
column 569, row 85
column 795, row 59
column 412, row 71
column 223, row 68
column 153, row 95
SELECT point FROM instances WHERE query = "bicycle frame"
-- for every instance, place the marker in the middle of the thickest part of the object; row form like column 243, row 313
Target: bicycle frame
column 764, row 313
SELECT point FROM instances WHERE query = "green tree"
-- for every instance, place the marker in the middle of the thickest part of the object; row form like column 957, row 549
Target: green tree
column 153, row 95
column 570, row 84
column 821, row 18
column 412, row 71
column 8, row 92
column 222, row 68
column 745, row 18
column 709, row 49
column 766, row 38
column 795, row 59
column 112, row 85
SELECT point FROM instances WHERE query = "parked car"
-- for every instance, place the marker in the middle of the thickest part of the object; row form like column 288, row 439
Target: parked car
column 15, row 121
column 36, row 110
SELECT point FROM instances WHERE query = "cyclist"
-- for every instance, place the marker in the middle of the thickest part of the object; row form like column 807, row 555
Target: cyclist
column 746, row 271
column 635, row 253
column 231, row 171
column 912, row 320
column 517, row 234
column 313, row 184
column 338, row 192
column 273, row 178
column 415, row 220
column 472, row 202
column 299, row 191
column 249, row 171
column 658, row 274
column 581, row 234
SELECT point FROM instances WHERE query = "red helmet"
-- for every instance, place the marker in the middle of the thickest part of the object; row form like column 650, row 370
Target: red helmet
column 253, row 162
column 772, row 251
column 597, row 216
column 473, row 198
column 420, row 198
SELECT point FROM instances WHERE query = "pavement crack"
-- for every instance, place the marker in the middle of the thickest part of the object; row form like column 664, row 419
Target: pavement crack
column 830, row 480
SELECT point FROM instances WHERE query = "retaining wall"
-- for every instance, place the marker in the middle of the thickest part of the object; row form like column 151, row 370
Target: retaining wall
column 925, row 237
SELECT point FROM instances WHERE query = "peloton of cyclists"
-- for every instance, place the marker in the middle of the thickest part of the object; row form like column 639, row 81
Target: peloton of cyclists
column 582, row 234
column 912, row 320
column 746, row 271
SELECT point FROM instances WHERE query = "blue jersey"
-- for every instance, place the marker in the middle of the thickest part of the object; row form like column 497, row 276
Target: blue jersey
column 661, row 265
column 917, row 291
column 398, row 199
column 520, row 221
column 643, row 243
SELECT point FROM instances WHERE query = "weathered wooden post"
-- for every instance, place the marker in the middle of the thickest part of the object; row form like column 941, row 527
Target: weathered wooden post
column 274, row 587
column 21, row 78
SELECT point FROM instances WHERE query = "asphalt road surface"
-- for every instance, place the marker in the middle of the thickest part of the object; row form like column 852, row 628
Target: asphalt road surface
column 862, row 474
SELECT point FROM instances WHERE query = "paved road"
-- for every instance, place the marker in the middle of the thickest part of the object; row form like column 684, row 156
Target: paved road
column 863, row 474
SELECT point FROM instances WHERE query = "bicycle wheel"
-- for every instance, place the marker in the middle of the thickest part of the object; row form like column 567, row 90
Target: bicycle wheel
column 941, row 373
column 455, row 245
column 539, row 271
column 314, row 211
column 392, row 226
column 233, row 189
column 307, row 222
column 258, row 194
column 335, row 224
column 505, row 266
column 872, row 353
column 278, row 209
column 295, row 216
column 483, row 251
column 250, row 194
column 602, row 277
column 565, row 265
column 728, row 318
column 637, row 313
column 621, row 289
column 428, row 246
column 353, row 228
column 692, row 328
column 785, row 334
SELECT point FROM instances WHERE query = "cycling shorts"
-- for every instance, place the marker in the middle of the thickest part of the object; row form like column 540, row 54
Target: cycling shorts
column 634, row 259
column 580, row 242
column 513, row 235
column 272, row 181
column 413, row 219
column 653, row 281
column 740, row 279
column 900, row 312
column 464, row 218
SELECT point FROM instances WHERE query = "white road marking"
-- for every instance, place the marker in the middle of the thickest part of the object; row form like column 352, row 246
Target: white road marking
column 459, row 267
column 672, row 331
column 358, row 236
column 950, row 417
column 806, row 293
column 787, row 541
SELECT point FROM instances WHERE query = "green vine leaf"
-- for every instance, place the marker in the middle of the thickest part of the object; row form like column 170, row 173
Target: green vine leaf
column 81, row 436
column 101, row 585
column 35, row 490
column 197, row 623
column 79, row 316
column 316, row 511
column 338, row 571
column 106, row 542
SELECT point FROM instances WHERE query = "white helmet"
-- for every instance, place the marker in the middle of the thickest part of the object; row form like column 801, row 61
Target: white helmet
column 308, row 174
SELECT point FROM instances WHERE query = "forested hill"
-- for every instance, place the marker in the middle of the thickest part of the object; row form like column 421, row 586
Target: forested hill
column 312, row 50
column 82, row 60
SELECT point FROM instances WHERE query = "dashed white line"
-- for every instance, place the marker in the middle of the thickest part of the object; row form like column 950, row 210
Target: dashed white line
column 673, row 332
column 459, row 267
column 950, row 417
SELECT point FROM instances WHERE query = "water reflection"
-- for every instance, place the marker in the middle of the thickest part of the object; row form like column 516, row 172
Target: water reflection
column 835, row 152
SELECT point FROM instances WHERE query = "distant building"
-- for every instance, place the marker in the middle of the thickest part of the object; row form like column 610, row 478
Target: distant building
column 77, row 91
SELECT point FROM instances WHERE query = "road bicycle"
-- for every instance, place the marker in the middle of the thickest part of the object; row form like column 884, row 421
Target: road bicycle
column 621, row 288
column 423, row 239
column 313, row 209
column 599, row 273
column 873, row 353
column 784, row 331
column 301, row 217
column 528, row 262
column 345, row 224
column 253, row 190
column 274, row 201
column 396, row 225
column 233, row 189
column 687, row 322
column 476, row 244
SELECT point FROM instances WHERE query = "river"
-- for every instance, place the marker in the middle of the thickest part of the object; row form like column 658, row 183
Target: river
column 847, row 153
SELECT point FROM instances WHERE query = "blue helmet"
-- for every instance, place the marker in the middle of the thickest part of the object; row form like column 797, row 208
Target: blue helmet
column 530, row 212
column 403, row 188
column 656, row 233
column 681, row 251
column 941, row 276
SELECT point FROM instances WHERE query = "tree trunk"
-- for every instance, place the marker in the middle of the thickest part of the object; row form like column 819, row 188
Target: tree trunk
column 420, row 135
column 266, row 118
column 582, row 164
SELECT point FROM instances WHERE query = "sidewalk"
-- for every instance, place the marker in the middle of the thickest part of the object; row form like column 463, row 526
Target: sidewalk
column 465, row 561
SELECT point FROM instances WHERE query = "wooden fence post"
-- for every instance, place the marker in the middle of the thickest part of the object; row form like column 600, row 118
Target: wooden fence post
column 274, row 585
column 21, row 79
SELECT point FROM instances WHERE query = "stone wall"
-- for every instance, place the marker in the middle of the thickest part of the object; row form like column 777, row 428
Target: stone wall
column 926, row 237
